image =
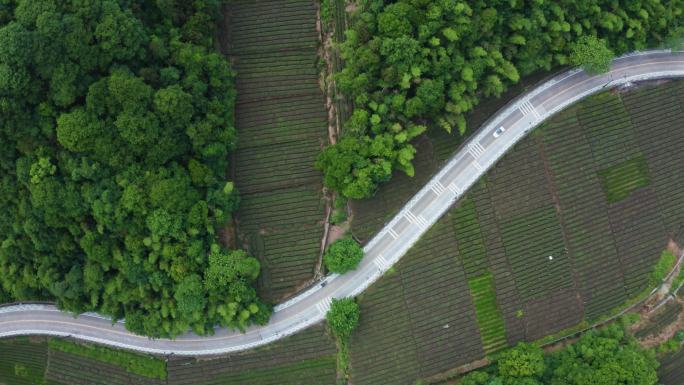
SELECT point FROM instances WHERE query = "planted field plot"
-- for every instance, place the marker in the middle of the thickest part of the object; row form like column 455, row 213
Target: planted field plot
column 23, row 360
column 620, row 180
column 372, row 213
column 657, row 114
column 73, row 369
column 305, row 358
column 671, row 370
column 489, row 318
column 432, row 150
column 567, row 227
column 588, row 233
column 666, row 315
column 282, row 124
column 419, row 319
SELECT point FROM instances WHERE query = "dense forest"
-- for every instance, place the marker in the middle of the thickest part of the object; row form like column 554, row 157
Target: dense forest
column 413, row 63
column 116, row 120
column 607, row 356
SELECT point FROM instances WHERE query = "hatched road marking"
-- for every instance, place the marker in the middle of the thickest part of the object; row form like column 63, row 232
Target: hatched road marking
column 475, row 149
column 527, row 108
column 324, row 305
column 381, row 262
column 437, row 188
column 417, row 220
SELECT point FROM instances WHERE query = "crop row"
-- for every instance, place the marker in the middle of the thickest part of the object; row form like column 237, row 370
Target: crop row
column 421, row 313
column 667, row 315
column 468, row 234
column 22, row 362
column 507, row 294
column 585, row 216
column 308, row 355
column 489, row 318
column 558, row 251
column 658, row 113
column 371, row 214
column 518, row 183
column 77, row 370
column 671, row 368
column 281, row 122
column 609, row 130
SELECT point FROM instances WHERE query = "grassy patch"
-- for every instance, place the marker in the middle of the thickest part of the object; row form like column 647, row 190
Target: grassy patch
column 677, row 281
column 620, row 180
column 469, row 237
column 662, row 268
column 489, row 317
column 140, row 364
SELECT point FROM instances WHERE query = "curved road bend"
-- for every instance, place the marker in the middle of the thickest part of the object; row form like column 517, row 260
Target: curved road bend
column 431, row 202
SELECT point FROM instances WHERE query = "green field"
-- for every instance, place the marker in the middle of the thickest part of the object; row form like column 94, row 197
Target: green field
column 307, row 358
column 481, row 278
column 23, row 361
column 282, row 123
column 38, row 360
column 419, row 319
column 564, row 229
column 489, row 318
column 671, row 368
column 140, row 364
column 620, row 180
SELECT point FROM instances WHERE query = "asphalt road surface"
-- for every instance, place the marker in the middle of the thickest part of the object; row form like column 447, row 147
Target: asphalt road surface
column 467, row 165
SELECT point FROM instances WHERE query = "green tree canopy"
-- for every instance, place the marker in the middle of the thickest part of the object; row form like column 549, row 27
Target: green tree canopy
column 343, row 255
column 117, row 122
column 608, row 356
column 343, row 317
column 525, row 360
column 592, row 54
column 413, row 63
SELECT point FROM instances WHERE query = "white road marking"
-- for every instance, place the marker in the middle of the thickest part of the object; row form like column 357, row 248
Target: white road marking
column 419, row 221
column 528, row 109
column 476, row 149
column 437, row 188
column 455, row 189
column 324, row 305
column 477, row 166
column 393, row 233
column 381, row 262
column 283, row 324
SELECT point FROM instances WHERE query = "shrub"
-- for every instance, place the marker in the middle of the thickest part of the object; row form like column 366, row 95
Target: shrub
column 343, row 317
column 141, row 364
column 343, row 255
column 662, row 268
column 592, row 54
column 525, row 360
column 412, row 64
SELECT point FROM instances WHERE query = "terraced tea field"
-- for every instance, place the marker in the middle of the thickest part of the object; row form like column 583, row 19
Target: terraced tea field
column 419, row 319
column 305, row 358
column 23, row 360
column 565, row 228
column 282, row 125
column 671, row 370
column 71, row 369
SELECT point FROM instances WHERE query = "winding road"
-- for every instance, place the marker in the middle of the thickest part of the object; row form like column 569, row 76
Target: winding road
column 467, row 165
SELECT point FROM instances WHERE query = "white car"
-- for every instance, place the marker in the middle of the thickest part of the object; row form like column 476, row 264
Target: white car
column 499, row 131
